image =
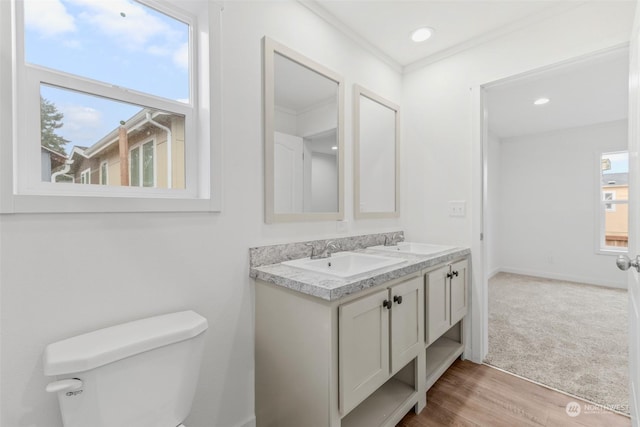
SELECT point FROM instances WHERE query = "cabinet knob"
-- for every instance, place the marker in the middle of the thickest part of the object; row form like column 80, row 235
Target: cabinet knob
column 398, row 299
column 449, row 275
column 455, row 273
column 387, row 304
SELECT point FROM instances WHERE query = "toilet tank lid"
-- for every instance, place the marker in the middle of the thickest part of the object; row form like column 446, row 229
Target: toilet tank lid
column 97, row 348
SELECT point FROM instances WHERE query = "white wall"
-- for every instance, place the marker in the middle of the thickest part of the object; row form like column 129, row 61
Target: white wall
column 65, row 274
column 285, row 121
column 546, row 206
column 438, row 110
column 318, row 120
column 324, row 183
column 441, row 126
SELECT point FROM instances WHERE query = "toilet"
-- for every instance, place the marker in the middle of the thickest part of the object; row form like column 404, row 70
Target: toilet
column 137, row 374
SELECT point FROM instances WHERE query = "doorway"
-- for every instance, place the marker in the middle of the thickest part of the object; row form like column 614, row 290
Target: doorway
column 546, row 222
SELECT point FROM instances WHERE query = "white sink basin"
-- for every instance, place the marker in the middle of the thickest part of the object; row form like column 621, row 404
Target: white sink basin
column 345, row 264
column 414, row 248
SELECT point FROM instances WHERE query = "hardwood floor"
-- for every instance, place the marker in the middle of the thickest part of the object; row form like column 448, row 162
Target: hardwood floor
column 478, row 395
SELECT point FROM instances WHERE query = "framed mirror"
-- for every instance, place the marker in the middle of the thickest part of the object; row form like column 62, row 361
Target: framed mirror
column 376, row 156
column 303, row 135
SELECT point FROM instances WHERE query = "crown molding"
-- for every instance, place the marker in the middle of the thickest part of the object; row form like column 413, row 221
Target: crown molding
column 330, row 18
column 503, row 31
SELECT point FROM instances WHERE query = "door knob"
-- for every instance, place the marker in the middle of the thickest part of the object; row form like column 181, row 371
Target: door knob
column 624, row 263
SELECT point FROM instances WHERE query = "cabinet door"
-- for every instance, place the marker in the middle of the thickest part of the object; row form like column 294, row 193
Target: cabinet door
column 363, row 328
column 459, row 295
column 438, row 308
column 407, row 320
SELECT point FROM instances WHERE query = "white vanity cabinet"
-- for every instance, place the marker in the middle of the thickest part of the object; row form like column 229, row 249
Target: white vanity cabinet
column 352, row 362
column 358, row 360
column 447, row 293
column 378, row 335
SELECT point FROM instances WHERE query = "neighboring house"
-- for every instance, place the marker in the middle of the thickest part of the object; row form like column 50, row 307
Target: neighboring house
column 615, row 186
column 142, row 143
column 50, row 160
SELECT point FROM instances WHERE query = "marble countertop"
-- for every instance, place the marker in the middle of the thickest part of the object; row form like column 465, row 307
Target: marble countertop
column 331, row 288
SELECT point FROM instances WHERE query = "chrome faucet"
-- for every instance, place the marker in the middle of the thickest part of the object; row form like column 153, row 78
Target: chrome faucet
column 329, row 247
column 394, row 239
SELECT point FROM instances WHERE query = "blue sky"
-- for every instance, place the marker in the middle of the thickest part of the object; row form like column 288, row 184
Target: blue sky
column 120, row 42
column 619, row 162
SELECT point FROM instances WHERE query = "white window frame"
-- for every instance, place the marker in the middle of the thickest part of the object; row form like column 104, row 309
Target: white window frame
column 601, row 210
column 104, row 176
column 21, row 191
column 138, row 146
column 85, row 176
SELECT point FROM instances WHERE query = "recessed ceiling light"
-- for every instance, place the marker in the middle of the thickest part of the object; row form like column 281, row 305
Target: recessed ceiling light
column 421, row 34
column 335, row 147
column 541, row 101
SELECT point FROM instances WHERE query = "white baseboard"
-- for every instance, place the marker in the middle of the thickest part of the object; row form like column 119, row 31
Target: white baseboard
column 565, row 277
column 251, row 422
column 494, row 272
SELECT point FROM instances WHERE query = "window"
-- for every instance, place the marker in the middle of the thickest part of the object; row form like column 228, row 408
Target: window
column 613, row 205
column 85, row 176
column 104, row 173
column 100, row 77
column 606, row 196
column 142, row 165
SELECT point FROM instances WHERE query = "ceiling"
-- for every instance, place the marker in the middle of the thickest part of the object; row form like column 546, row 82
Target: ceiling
column 581, row 93
column 386, row 25
column 589, row 91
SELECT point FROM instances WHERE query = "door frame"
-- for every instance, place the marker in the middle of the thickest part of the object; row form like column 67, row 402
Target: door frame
column 479, row 333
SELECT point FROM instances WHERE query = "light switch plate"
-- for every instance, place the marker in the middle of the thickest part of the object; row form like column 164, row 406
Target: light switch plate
column 457, row 208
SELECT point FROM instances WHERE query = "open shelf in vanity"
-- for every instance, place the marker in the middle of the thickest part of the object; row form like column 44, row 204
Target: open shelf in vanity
column 443, row 352
column 392, row 400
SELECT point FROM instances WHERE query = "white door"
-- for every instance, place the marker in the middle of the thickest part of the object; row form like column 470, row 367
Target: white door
column 459, row 303
column 634, row 218
column 438, row 307
column 407, row 320
column 363, row 348
column 287, row 173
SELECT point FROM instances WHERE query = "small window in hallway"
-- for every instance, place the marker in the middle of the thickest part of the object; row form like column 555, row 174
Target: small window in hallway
column 614, row 201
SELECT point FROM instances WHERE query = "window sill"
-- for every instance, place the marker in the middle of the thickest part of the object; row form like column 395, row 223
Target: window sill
column 612, row 252
column 80, row 204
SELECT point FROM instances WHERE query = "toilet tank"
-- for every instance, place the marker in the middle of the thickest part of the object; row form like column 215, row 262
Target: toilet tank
column 142, row 373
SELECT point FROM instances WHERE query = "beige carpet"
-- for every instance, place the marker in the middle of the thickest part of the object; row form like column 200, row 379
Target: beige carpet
column 565, row 335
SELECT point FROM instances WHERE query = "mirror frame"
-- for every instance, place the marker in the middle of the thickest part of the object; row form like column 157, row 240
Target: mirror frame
column 358, row 93
column 270, row 48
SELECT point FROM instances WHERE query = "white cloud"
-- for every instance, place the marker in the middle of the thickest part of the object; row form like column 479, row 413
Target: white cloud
column 158, row 50
column 127, row 22
column 82, row 125
column 48, row 17
column 181, row 56
column 72, row 44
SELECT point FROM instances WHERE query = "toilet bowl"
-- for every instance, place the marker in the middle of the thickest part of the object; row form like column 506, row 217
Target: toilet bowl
column 141, row 373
